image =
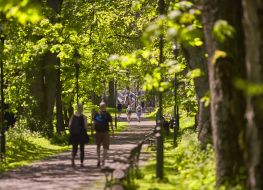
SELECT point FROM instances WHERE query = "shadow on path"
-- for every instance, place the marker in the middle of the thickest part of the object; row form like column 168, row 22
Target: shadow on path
column 56, row 172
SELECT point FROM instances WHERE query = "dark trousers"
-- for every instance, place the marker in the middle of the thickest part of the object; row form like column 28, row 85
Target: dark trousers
column 75, row 150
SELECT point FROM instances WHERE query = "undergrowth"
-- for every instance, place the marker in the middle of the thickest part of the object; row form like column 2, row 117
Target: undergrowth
column 24, row 147
column 186, row 167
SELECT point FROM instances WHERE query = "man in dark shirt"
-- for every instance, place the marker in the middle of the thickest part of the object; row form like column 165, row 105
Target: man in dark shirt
column 101, row 122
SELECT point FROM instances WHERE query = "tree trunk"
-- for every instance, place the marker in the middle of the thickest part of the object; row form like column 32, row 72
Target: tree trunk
column 55, row 5
column 227, row 103
column 59, row 111
column 253, row 26
column 111, row 98
column 196, row 60
column 43, row 89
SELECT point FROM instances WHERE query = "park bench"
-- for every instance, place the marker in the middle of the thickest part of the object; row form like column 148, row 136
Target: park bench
column 124, row 167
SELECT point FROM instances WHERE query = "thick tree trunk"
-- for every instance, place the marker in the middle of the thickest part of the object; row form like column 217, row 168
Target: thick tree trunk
column 196, row 60
column 253, row 26
column 43, row 89
column 227, row 104
column 44, row 85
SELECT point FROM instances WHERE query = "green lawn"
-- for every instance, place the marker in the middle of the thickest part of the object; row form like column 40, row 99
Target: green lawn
column 24, row 147
column 185, row 167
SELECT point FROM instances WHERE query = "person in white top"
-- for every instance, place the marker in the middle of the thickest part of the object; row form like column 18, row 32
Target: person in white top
column 139, row 112
column 129, row 113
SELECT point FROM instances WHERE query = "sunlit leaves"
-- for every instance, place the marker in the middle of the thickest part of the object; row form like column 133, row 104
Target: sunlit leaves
column 175, row 14
column 206, row 99
column 183, row 5
column 136, row 6
column 217, row 55
column 223, row 30
column 183, row 25
column 152, row 81
column 196, row 42
column 175, row 67
column 195, row 73
column 24, row 11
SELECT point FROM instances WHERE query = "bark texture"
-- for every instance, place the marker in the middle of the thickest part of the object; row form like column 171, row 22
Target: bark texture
column 111, row 98
column 46, row 84
column 196, row 59
column 227, row 103
column 253, row 27
column 43, row 89
column 59, row 111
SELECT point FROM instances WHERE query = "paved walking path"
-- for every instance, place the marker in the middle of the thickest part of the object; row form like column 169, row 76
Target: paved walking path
column 56, row 173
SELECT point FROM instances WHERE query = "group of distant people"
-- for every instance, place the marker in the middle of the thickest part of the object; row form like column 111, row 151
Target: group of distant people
column 129, row 110
column 138, row 111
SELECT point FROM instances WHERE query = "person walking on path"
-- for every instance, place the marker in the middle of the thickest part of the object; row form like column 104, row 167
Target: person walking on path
column 119, row 107
column 78, row 133
column 139, row 112
column 101, row 122
column 129, row 113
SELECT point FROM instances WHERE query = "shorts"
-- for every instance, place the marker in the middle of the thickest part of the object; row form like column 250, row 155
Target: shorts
column 104, row 139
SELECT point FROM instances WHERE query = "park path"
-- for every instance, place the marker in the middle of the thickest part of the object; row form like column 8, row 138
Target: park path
column 55, row 173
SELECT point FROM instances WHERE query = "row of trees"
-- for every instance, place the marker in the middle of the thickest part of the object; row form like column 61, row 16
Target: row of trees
column 231, row 59
column 39, row 58
column 232, row 34
column 219, row 44
column 222, row 39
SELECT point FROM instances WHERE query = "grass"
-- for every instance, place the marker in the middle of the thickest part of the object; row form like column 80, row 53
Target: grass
column 185, row 167
column 24, row 147
column 151, row 115
column 121, row 126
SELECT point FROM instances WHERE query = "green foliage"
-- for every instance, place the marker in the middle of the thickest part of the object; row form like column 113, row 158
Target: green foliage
column 223, row 30
column 218, row 54
column 195, row 73
column 184, row 25
column 24, row 11
column 206, row 99
column 60, row 139
column 151, row 115
column 250, row 89
column 185, row 167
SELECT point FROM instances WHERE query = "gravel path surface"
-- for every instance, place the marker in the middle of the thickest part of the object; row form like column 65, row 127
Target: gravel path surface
column 55, row 173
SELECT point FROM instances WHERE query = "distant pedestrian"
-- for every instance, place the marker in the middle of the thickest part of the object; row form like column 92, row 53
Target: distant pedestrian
column 129, row 113
column 119, row 107
column 143, row 106
column 101, row 122
column 139, row 112
column 78, row 133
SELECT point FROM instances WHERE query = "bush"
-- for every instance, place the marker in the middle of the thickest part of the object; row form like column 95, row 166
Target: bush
column 60, row 139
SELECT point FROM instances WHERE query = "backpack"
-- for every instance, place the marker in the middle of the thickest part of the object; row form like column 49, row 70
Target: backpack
column 101, row 122
column 77, row 125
